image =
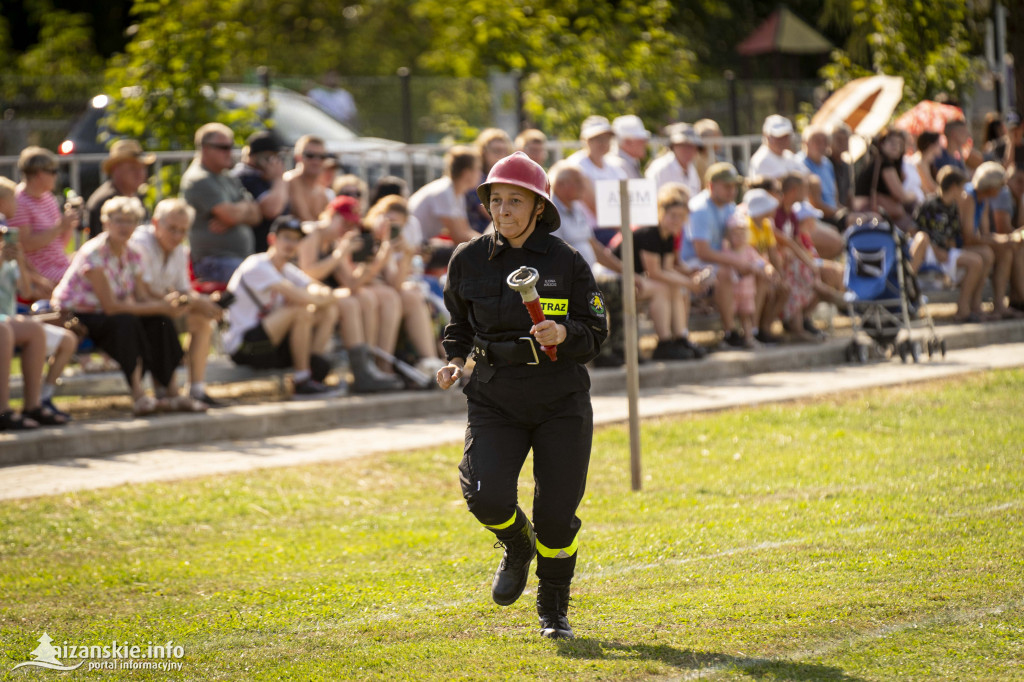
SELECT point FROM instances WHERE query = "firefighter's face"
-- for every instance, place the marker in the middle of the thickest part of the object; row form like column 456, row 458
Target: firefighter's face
column 514, row 210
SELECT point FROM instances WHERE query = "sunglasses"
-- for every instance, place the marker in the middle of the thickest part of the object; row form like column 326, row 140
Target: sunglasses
column 354, row 193
column 314, row 155
column 222, row 147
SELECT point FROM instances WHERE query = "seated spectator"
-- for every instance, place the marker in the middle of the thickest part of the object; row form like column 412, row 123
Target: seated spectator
column 702, row 244
column 1008, row 218
column 222, row 232
column 745, row 290
column 759, row 205
column 678, row 164
column 387, row 186
column 326, row 255
column 632, row 138
column 328, row 175
column 879, row 184
column 390, row 222
column 663, row 280
column 492, row 145
column 126, row 167
column 164, row 270
column 993, row 147
column 439, row 208
column 596, row 134
column 350, row 185
column 534, row 144
column 307, row 197
column 567, row 187
column 103, row 287
column 261, row 172
column 281, row 318
column 838, row 145
column 775, row 157
column 928, row 149
column 978, row 234
column 823, row 193
column 810, row 278
column 44, row 232
column 959, row 150
column 940, row 219
column 1014, row 152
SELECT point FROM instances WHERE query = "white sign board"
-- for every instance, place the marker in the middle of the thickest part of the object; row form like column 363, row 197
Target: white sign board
column 643, row 203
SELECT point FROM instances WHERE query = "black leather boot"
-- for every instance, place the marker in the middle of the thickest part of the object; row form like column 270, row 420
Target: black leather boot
column 514, row 569
column 553, row 610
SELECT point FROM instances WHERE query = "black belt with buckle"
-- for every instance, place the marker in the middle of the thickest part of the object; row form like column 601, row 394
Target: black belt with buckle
column 492, row 354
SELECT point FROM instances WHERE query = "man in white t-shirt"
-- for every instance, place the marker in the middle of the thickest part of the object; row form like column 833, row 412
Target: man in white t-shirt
column 775, row 157
column 439, row 205
column 596, row 134
column 679, row 163
column 165, row 271
column 280, row 317
column 632, row 138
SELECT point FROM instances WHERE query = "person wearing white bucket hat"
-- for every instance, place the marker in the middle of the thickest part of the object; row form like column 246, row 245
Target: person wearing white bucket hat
column 632, row 138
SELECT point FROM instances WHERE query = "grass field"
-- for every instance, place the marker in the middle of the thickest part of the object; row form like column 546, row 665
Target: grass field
column 868, row 537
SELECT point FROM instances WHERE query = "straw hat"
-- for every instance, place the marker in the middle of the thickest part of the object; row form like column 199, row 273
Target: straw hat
column 126, row 150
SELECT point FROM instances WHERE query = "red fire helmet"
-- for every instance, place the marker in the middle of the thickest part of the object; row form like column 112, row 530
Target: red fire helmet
column 520, row 170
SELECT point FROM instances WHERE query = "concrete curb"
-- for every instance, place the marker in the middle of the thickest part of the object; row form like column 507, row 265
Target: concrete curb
column 92, row 439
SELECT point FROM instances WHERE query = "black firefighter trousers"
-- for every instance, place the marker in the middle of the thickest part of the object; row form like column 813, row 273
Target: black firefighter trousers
column 508, row 417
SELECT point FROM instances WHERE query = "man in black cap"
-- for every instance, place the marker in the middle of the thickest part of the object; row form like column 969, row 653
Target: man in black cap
column 261, row 171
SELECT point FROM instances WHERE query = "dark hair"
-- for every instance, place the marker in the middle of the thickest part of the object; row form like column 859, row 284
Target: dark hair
column 950, row 177
column 388, row 185
column 926, row 140
column 993, row 126
column 459, row 159
column 762, row 182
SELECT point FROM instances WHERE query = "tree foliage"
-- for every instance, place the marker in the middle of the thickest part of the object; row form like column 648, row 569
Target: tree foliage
column 576, row 58
column 161, row 87
column 929, row 44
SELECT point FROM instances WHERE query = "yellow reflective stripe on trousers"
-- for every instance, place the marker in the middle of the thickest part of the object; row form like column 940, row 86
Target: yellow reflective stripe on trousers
column 502, row 526
column 558, row 553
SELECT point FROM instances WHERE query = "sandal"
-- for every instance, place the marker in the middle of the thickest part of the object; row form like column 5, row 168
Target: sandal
column 144, row 405
column 45, row 417
column 11, row 422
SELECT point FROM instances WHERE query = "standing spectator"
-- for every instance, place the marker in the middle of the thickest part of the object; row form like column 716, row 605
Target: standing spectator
column 567, row 187
column 775, row 157
column 307, row 197
column 994, row 145
column 596, row 134
column 664, row 281
column 281, row 318
column 164, row 271
column 493, row 145
column 940, row 218
column 632, row 138
column 334, row 99
column 43, row 231
column 959, row 150
column 823, row 189
column 103, row 287
column 439, row 207
column 261, row 172
column 126, row 167
column 534, row 144
column 702, row 245
column 678, row 164
column 839, row 144
column 222, row 232
column 1007, row 218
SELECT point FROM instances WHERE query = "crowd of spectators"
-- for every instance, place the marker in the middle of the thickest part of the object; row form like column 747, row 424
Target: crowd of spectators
column 290, row 264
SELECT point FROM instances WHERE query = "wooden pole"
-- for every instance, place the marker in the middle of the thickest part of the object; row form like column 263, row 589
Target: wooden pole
column 632, row 342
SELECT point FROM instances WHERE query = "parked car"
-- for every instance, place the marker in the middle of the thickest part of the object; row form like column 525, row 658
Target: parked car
column 292, row 115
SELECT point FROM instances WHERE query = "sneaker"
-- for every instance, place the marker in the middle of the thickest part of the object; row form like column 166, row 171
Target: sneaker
column 670, row 350
column 612, row 359
column 208, row 401
column 311, row 388
column 734, row 340
column 767, row 338
column 48, row 403
column 697, row 350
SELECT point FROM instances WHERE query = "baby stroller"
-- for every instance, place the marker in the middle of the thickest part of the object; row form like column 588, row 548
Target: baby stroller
column 882, row 294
